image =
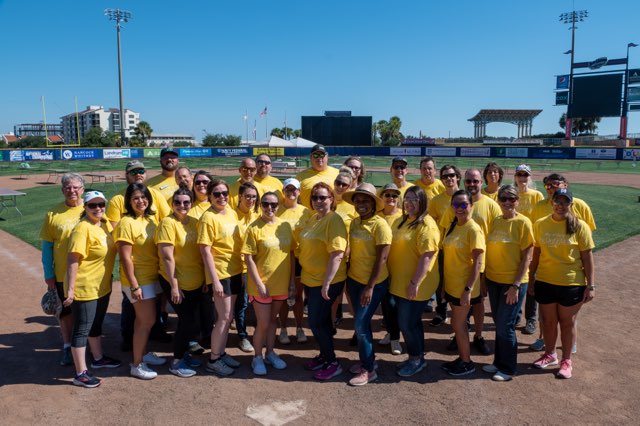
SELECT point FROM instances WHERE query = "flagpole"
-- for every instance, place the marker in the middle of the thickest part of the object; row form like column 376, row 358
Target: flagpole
column 285, row 124
column 246, row 123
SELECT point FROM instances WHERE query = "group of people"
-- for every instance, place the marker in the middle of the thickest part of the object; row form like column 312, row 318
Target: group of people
column 208, row 248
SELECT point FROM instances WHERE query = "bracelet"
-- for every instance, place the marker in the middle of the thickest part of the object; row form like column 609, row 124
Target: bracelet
column 135, row 289
column 591, row 287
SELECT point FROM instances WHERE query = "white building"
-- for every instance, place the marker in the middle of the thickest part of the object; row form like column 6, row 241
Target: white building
column 169, row 139
column 97, row 116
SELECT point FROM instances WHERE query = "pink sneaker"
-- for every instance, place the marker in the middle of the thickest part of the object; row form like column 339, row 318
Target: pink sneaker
column 363, row 378
column 357, row 367
column 546, row 360
column 328, row 371
column 314, row 364
column 566, row 367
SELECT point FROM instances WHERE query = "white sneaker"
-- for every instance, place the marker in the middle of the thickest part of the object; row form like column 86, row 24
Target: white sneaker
column 153, row 359
column 284, row 336
column 300, row 336
column 396, row 349
column 385, row 340
column 141, row 371
column 257, row 364
column 275, row 361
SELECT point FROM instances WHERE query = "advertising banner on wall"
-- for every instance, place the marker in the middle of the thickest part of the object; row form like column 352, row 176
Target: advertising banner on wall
column 633, row 95
column 230, row 152
column 81, row 154
column 272, row 152
column 16, row 156
column 394, row 151
column 551, row 153
column 440, row 152
column 194, row 152
column 418, row 141
column 475, row 152
column 631, row 154
column 510, row 152
column 151, row 152
column 38, row 155
column 596, row 154
column 116, row 153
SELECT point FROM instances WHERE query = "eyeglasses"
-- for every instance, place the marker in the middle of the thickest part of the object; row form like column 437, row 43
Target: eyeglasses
column 182, row 203
column 136, row 172
column 448, row 176
column 320, row 198
column 250, row 197
column 219, row 194
column 354, row 167
column 248, row 169
column 202, row 182
column 509, row 199
column 462, row 205
column 263, row 162
column 318, row 154
column 94, row 206
column 410, row 200
column 266, row 204
column 399, row 166
column 340, row 184
column 390, row 195
column 467, row 181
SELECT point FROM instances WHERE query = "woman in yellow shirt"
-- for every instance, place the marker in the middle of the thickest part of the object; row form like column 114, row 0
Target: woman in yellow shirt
column 182, row 277
column 492, row 175
column 90, row 260
column 201, row 202
column 322, row 242
column 463, row 246
column 414, row 273
column 562, row 273
column 356, row 164
column 296, row 214
column 219, row 242
column 268, row 254
column 367, row 283
column 509, row 248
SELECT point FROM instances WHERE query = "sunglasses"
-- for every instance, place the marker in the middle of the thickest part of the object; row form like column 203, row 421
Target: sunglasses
column 319, row 154
column 522, row 174
column 248, row 169
column 448, row 176
column 182, row 203
column 462, row 205
column 390, row 195
column 410, row 200
column 266, row 204
column 320, row 198
column 467, row 181
column 219, row 194
column 509, row 199
column 399, row 166
column 340, row 184
column 93, row 206
column 354, row 167
column 290, row 189
column 202, row 182
column 263, row 162
column 136, row 172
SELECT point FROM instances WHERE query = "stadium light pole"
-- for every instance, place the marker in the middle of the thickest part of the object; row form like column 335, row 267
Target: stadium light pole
column 571, row 18
column 625, row 106
column 120, row 16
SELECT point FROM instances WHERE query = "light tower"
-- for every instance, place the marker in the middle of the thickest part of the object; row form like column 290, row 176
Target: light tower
column 572, row 18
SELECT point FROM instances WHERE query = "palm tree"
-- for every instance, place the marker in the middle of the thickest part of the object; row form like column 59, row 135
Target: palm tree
column 143, row 131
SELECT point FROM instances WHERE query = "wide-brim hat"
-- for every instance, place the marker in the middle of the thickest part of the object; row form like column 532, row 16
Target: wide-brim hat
column 364, row 188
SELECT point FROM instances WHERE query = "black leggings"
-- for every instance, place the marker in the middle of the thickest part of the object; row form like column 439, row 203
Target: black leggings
column 87, row 319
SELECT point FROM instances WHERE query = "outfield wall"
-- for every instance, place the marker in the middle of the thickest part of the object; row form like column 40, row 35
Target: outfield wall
column 22, row 155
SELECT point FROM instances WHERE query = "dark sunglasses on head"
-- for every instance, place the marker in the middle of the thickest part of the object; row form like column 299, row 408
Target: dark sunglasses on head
column 93, row 206
column 319, row 197
column 182, row 203
column 448, row 176
column 202, row 182
column 263, row 162
column 390, row 195
column 266, row 204
column 219, row 194
column 319, row 154
column 505, row 199
column 399, row 166
column 136, row 172
column 462, row 205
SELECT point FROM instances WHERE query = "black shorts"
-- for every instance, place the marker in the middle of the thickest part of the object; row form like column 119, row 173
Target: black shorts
column 455, row 301
column 232, row 286
column 66, row 310
column 564, row 295
column 298, row 267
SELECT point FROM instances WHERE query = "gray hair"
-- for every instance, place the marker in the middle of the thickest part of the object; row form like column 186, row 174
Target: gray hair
column 183, row 167
column 71, row 176
column 509, row 190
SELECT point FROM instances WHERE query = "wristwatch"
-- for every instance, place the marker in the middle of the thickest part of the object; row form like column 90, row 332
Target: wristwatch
column 516, row 286
column 467, row 289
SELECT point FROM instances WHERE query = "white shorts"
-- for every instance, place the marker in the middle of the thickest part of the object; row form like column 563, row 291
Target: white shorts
column 149, row 291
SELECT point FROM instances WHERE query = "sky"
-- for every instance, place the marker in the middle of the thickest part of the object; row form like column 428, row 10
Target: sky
column 197, row 66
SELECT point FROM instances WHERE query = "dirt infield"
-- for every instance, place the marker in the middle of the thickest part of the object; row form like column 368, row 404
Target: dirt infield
column 604, row 389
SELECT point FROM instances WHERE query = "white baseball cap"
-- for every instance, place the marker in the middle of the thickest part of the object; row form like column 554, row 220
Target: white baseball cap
column 291, row 181
column 92, row 195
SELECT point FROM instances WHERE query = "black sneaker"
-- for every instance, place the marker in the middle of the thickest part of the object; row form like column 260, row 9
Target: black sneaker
column 450, row 365
column 481, row 345
column 106, row 362
column 436, row 321
column 453, row 344
column 462, row 368
column 85, row 380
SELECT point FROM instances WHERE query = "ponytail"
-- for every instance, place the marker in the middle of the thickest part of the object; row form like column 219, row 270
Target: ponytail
column 573, row 224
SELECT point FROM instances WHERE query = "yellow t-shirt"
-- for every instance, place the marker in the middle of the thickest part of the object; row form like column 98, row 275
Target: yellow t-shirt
column 271, row 184
column 347, row 212
column 164, row 185
column 406, row 248
column 234, row 197
column 527, row 200
column 403, row 190
column 484, row 211
column 438, row 205
column 364, row 237
column 433, row 189
column 139, row 233
column 56, row 229
column 116, row 209
column 392, row 218
column 97, row 252
column 310, row 177
column 189, row 268
column 198, row 208
column 271, row 245
column 222, row 233
column 296, row 217
column 493, row 196
column 317, row 238
column 506, row 240
column 560, row 261
column 579, row 208
column 244, row 220
column 458, row 264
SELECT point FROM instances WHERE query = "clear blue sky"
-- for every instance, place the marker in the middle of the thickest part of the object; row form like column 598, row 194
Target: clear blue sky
column 190, row 66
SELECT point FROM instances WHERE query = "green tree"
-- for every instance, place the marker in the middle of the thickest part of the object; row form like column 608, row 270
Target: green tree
column 181, row 144
column 232, row 140
column 218, row 139
column 30, row 142
column 93, row 137
column 136, row 142
column 580, row 126
column 277, row 132
column 111, row 139
column 297, row 133
column 143, row 131
column 389, row 131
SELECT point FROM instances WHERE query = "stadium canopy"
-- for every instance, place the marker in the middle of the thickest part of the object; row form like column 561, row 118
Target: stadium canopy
column 523, row 118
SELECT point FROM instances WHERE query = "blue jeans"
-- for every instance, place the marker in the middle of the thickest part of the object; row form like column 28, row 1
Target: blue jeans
column 319, row 317
column 362, row 318
column 240, row 310
column 390, row 315
column 410, row 322
column 504, row 317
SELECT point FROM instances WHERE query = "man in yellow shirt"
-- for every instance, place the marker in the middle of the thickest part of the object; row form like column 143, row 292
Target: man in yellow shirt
column 247, row 172
column 165, row 182
column 184, row 178
column 55, row 233
column 320, row 171
column 432, row 186
column 264, row 178
column 399, row 173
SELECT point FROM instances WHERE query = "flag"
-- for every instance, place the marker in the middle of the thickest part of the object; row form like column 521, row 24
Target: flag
column 632, row 45
column 562, row 82
column 263, row 113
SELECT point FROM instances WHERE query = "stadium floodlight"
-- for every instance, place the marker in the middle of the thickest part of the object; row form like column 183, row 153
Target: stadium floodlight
column 120, row 17
column 571, row 18
column 625, row 99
